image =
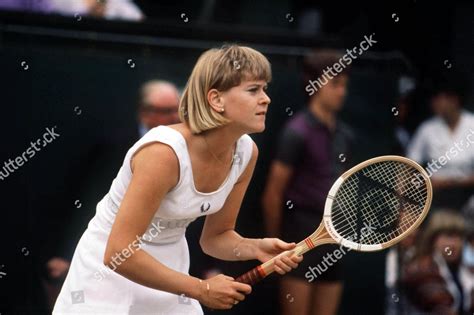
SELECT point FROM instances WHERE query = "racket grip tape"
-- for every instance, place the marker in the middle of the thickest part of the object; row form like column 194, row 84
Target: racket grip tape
column 253, row 276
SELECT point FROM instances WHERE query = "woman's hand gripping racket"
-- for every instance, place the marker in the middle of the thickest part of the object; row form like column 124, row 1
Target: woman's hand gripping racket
column 372, row 206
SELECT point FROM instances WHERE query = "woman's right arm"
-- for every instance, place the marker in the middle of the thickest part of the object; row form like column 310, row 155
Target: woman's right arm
column 155, row 172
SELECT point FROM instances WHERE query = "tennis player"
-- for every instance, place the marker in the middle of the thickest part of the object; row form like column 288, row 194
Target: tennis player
column 171, row 176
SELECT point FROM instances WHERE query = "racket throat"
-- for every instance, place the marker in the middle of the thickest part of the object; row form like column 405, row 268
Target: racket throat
column 319, row 237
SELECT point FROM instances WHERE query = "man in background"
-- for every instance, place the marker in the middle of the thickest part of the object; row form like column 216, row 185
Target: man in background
column 313, row 150
column 445, row 144
column 158, row 105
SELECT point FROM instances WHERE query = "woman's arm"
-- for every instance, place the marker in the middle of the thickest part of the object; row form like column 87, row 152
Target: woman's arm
column 219, row 239
column 155, row 172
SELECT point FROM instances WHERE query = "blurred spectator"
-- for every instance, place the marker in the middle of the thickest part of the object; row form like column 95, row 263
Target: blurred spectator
column 446, row 144
column 395, row 262
column 401, row 133
column 43, row 6
column 310, row 21
column 158, row 105
column 436, row 281
column 108, row 9
column 468, row 254
column 314, row 149
column 54, row 276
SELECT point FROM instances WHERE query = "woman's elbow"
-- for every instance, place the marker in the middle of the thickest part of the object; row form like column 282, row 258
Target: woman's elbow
column 113, row 258
column 208, row 247
column 204, row 246
column 108, row 257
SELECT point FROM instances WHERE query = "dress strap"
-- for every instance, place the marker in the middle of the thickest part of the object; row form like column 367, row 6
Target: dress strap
column 168, row 136
column 244, row 153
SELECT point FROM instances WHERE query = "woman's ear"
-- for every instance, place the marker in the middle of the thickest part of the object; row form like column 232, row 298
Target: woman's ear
column 215, row 100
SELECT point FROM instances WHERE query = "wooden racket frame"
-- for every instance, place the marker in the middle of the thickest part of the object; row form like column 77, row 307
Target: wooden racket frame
column 326, row 234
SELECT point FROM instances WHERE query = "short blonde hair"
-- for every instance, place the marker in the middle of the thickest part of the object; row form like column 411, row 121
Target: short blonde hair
column 441, row 221
column 221, row 69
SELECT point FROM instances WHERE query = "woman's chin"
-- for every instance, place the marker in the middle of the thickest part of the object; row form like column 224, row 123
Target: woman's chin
column 256, row 127
column 259, row 128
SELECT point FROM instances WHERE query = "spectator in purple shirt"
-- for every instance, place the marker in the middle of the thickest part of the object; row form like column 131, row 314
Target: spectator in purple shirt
column 314, row 149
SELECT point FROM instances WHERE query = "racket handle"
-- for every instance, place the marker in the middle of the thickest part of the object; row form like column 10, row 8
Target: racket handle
column 258, row 273
column 253, row 276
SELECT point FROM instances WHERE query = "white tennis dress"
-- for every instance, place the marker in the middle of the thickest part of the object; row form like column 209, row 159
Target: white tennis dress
column 92, row 288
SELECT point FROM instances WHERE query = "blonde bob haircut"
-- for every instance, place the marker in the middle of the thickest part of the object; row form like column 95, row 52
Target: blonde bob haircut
column 220, row 69
column 443, row 221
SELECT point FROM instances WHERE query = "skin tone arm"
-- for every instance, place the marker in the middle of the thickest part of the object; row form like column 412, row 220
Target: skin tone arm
column 219, row 239
column 272, row 202
column 155, row 172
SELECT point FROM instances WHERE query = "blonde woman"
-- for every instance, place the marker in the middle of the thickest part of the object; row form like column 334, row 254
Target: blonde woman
column 171, row 176
column 436, row 281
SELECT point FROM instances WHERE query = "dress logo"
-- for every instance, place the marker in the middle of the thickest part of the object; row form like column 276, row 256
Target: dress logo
column 205, row 207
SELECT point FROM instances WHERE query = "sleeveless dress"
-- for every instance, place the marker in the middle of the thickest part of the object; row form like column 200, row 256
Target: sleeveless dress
column 92, row 288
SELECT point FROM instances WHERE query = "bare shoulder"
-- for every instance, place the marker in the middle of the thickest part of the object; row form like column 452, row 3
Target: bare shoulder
column 247, row 173
column 254, row 151
column 254, row 154
column 157, row 161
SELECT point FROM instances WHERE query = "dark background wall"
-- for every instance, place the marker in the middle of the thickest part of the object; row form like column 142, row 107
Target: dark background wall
column 80, row 79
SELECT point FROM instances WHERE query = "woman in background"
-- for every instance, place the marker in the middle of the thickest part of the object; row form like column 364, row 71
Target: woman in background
column 436, row 281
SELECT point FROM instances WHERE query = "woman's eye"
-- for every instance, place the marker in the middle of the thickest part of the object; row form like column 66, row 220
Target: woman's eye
column 253, row 90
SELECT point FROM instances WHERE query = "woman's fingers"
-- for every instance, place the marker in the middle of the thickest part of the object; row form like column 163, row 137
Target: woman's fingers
column 282, row 265
column 285, row 264
column 284, row 245
column 289, row 262
column 225, row 292
column 233, row 299
column 242, row 287
column 238, row 296
column 279, row 270
column 297, row 259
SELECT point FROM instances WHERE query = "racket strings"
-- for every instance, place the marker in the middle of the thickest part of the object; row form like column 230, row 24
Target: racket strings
column 379, row 202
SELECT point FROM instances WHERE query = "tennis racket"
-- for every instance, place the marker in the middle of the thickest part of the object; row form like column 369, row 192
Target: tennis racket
column 370, row 207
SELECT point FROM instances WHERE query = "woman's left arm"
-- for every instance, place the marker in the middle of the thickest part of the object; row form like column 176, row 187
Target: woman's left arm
column 219, row 239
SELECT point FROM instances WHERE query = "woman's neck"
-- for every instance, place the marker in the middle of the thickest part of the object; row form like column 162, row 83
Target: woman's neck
column 220, row 142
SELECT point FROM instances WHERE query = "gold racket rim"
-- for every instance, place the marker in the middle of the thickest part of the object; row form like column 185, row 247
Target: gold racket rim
column 338, row 183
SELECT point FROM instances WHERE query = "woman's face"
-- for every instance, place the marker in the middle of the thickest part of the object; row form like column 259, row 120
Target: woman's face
column 246, row 105
column 450, row 246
